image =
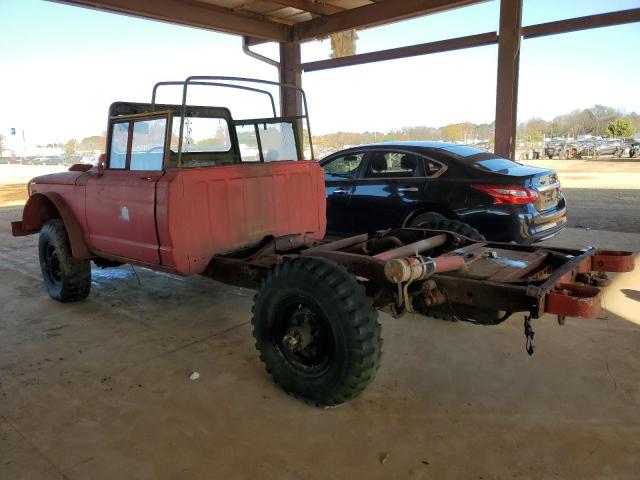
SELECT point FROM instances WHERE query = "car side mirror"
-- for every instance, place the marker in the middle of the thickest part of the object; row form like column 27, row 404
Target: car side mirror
column 102, row 162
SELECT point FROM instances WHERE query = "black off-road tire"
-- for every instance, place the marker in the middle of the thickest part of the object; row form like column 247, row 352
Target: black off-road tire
column 346, row 341
column 65, row 278
column 435, row 221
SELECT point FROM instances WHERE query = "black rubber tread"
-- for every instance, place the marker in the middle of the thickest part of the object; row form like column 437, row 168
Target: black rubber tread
column 431, row 221
column 75, row 284
column 353, row 320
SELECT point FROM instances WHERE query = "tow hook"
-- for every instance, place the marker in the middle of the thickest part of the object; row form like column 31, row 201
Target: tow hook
column 528, row 333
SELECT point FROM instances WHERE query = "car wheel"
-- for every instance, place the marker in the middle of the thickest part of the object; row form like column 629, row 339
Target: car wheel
column 435, row 221
column 317, row 331
column 65, row 278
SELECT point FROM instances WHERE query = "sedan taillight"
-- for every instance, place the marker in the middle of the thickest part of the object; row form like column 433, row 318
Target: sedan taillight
column 508, row 193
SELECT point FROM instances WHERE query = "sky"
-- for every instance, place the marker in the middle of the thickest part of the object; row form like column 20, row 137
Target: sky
column 61, row 67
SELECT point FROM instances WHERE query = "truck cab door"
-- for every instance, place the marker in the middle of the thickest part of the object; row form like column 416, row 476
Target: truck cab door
column 121, row 196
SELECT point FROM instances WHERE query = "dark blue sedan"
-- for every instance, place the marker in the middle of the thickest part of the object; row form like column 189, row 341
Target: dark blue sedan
column 442, row 186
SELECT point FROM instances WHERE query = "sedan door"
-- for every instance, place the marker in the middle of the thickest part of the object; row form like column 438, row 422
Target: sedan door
column 390, row 187
column 340, row 174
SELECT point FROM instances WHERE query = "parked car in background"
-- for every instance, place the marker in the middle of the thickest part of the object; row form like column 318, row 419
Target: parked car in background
column 442, row 186
column 554, row 148
column 610, row 147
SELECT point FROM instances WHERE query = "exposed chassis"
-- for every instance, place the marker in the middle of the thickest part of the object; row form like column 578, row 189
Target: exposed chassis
column 445, row 273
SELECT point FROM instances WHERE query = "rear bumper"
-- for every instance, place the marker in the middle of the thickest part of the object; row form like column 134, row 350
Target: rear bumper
column 546, row 230
column 516, row 223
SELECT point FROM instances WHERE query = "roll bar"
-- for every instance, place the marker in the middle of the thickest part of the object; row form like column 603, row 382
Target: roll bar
column 215, row 84
column 215, row 80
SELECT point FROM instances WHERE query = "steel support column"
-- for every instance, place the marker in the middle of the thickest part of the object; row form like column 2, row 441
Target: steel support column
column 507, row 84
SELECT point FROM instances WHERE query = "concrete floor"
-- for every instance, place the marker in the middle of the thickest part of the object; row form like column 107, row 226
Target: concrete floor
column 100, row 389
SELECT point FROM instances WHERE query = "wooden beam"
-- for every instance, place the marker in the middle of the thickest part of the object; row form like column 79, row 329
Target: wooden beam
column 251, row 41
column 582, row 23
column 482, row 39
column 373, row 14
column 458, row 43
column 193, row 14
column 290, row 73
column 318, row 8
column 508, row 70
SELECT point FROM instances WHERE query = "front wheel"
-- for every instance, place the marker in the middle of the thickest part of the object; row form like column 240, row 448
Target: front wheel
column 65, row 278
column 317, row 331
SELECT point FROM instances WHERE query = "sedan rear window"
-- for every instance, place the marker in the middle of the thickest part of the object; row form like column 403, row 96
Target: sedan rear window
column 498, row 165
column 462, row 150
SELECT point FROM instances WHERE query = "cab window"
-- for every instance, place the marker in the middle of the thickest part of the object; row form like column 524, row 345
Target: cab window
column 201, row 134
column 278, row 142
column 118, row 147
column 206, row 142
column 248, row 143
column 147, row 145
column 138, row 143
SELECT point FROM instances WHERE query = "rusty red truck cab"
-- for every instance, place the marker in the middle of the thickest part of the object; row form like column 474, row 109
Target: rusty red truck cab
column 179, row 184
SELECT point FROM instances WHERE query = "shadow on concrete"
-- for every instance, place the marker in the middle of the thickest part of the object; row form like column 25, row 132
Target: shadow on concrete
column 632, row 294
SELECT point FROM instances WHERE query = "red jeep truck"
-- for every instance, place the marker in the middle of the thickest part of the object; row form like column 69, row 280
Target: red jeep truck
column 190, row 190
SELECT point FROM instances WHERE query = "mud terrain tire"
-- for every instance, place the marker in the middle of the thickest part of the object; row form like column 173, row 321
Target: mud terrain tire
column 65, row 278
column 317, row 331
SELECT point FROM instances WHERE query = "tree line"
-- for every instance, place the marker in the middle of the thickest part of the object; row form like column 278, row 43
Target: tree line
column 598, row 120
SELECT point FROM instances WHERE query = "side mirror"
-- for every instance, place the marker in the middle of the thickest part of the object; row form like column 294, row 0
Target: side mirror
column 102, row 162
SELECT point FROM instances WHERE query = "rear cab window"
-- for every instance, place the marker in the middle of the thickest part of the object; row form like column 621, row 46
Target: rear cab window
column 268, row 140
column 206, row 142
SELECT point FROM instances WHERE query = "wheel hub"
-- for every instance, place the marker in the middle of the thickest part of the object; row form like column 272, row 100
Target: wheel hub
column 52, row 263
column 303, row 339
column 299, row 336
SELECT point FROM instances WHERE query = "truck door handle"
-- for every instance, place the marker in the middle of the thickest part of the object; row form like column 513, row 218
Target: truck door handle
column 408, row 189
column 339, row 191
column 149, row 178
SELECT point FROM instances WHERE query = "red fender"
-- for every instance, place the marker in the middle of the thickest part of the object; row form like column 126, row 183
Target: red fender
column 42, row 207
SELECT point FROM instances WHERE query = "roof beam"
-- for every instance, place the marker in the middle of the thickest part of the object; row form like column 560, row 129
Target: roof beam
column 458, row 43
column 582, row 23
column 482, row 39
column 373, row 14
column 318, row 8
column 192, row 14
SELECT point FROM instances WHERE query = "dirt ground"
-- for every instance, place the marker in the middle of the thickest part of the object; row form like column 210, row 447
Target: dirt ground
column 100, row 389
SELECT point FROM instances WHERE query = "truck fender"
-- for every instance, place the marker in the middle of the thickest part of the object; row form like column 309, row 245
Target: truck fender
column 42, row 207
